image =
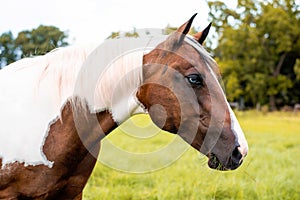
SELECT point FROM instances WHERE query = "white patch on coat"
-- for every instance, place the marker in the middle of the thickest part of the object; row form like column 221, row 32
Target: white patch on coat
column 33, row 91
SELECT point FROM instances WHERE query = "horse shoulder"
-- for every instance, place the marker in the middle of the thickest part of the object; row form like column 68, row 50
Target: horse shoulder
column 73, row 150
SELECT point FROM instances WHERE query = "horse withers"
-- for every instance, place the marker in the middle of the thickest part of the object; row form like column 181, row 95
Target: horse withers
column 50, row 135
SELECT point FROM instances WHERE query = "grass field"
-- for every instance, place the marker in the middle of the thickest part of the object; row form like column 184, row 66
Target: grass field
column 270, row 171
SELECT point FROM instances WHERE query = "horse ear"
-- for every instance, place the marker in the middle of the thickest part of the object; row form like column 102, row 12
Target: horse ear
column 185, row 28
column 201, row 36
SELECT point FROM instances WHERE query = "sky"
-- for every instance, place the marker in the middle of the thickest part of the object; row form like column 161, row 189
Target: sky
column 90, row 21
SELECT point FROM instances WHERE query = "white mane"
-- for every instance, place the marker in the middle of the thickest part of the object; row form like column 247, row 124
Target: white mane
column 112, row 87
column 33, row 91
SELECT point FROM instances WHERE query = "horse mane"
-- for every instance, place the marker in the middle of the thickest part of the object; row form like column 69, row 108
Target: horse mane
column 56, row 70
column 110, row 85
column 61, row 67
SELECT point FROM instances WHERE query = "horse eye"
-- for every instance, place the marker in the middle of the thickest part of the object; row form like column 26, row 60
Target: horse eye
column 195, row 80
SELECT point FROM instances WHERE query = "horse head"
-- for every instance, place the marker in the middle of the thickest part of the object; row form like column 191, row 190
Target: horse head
column 182, row 93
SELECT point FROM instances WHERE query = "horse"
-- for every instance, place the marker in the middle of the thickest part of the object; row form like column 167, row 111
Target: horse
column 51, row 124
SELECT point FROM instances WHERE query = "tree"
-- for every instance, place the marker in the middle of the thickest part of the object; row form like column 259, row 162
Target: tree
column 259, row 42
column 130, row 34
column 7, row 53
column 30, row 42
column 136, row 33
column 297, row 69
column 169, row 29
column 114, row 35
column 40, row 40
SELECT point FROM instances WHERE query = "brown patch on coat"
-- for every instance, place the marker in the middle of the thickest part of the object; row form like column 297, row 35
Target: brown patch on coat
column 73, row 148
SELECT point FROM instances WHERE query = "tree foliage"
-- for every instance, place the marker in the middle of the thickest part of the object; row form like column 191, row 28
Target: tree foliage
column 259, row 43
column 7, row 53
column 297, row 69
column 37, row 41
column 119, row 34
column 136, row 33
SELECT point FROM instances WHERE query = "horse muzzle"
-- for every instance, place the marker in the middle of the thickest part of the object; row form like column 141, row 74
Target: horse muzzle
column 232, row 163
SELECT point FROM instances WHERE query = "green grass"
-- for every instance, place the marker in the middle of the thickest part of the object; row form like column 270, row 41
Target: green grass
column 270, row 171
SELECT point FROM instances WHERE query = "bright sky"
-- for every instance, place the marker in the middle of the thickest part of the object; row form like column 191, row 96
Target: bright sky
column 89, row 21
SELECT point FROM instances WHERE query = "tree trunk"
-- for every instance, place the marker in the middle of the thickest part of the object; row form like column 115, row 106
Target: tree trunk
column 272, row 103
column 276, row 72
column 278, row 67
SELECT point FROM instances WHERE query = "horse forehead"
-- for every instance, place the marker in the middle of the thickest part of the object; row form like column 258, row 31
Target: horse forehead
column 199, row 57
column 181, row 59
column 189, row 58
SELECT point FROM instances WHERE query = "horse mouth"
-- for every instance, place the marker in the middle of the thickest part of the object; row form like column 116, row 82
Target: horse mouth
column 214, row 163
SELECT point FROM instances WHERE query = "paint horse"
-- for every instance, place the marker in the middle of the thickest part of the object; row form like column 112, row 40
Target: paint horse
column 50, row 135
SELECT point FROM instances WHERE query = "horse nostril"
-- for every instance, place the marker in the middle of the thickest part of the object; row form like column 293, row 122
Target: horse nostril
column 236, row 153
column 236, row 157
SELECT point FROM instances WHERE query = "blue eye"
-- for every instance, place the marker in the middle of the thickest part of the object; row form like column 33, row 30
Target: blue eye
column 195, row 80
